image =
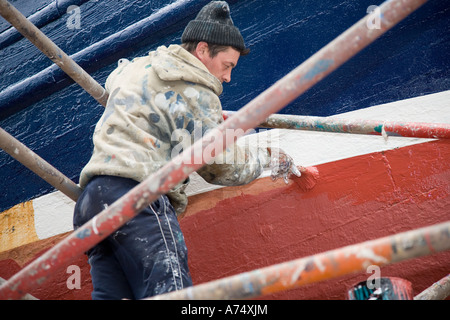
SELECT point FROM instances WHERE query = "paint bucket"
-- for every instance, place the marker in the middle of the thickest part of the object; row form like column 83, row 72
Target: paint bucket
column 382, row 289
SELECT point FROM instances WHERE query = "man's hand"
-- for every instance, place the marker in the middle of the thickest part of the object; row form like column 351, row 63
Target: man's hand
column 282, row 165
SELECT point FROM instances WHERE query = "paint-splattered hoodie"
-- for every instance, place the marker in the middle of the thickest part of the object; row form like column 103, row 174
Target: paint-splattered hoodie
column 159, row 104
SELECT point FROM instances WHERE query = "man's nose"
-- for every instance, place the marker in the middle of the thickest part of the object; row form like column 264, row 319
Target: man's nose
column 227, row 77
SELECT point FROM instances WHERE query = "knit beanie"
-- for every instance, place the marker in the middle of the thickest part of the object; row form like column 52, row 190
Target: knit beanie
column 214, row 25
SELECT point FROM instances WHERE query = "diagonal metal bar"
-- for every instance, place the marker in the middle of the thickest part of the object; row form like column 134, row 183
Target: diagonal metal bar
column 370, row 127
column 25, row 297
column 270, row 101
column 102, row 53
column 14, row 147
column 43, row 16
column 323, row 266
column 39, row 166
column 52, row 51
column 440, row 290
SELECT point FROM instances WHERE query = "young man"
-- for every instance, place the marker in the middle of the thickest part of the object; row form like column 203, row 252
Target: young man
column 153, row 101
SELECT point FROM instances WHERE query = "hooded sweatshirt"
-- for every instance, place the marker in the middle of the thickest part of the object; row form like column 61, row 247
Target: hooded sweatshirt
column 158, row 106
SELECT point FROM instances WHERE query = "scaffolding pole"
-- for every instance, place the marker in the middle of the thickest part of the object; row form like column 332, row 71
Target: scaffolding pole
column 14, row 147
column 323, row 266
column 370, row 127
column 438, row 291
column 44, row 170
column 52, row 51
column 39, row 166
column 25, row 297
column 178, row 169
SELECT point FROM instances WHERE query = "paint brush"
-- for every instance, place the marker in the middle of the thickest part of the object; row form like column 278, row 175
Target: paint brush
column 282, row 166
column 308, row 178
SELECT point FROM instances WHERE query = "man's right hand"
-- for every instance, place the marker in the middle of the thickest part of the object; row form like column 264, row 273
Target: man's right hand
column 282, row 165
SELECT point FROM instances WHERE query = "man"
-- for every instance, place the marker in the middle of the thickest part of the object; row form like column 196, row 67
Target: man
column 153, row 100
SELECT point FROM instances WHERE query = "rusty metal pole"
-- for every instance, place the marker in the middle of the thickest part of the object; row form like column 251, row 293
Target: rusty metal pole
column 438, row 291
column 370, row 127
column 270, row 101
column 15, row 148
column 319, row 267
column 52, row 51
column 25, row 297
column 35, row 163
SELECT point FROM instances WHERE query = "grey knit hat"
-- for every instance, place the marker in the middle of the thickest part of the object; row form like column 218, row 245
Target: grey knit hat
column 214, row 25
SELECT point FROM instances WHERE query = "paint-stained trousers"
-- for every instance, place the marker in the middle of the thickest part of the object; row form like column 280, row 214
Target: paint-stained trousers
column 147, row 256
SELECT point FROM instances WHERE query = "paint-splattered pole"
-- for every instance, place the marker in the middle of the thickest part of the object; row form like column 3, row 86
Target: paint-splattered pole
column 270, row 101
column 39, row 166
column 52, row 51
column 319, row 267
column 355, row 126
column 440, row 290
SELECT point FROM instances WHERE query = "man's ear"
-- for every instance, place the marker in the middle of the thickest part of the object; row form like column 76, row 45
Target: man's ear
column 202, row 51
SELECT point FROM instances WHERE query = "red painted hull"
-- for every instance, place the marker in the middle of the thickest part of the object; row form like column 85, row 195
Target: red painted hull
column 233, row 230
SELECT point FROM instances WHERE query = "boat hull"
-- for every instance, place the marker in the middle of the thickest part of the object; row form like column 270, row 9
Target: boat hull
column 368, row 187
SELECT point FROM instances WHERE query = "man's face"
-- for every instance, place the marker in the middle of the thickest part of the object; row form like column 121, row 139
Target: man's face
column 222, row 64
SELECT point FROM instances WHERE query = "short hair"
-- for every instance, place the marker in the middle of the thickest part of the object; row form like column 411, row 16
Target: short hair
column 214, row 49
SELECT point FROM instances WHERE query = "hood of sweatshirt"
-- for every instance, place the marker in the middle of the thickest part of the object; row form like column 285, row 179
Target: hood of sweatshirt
column 175, row 63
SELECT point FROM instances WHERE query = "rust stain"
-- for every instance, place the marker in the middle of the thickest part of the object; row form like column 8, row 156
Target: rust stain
column 17, row 226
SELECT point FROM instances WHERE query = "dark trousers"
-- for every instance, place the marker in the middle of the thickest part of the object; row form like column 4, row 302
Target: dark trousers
column 147, row 256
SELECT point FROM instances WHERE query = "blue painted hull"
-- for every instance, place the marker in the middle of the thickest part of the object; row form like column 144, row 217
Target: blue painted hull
column 42, row 108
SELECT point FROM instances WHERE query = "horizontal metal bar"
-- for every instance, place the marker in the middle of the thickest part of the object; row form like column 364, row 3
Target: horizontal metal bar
column 178, row 169
column 35, row 163
column 323, row 266
column 370, row 127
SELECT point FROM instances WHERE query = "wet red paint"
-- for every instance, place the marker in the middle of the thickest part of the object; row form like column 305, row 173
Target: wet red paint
column 354, row 200
column 232, row 230
column 54, row 288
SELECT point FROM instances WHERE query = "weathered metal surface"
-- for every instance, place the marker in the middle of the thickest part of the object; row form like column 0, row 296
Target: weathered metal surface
column 38, row 165
column 327, row 265
column 371, row 127
column 438, row 291
column 270, row 101
column 52, row 51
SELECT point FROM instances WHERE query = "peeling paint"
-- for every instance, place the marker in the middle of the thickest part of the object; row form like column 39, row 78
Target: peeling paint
column 17, row 226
